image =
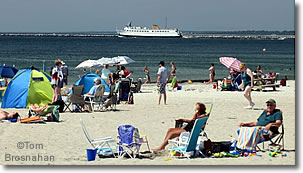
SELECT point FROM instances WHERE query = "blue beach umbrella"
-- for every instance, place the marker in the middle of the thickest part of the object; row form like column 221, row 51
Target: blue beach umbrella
column 8, row 71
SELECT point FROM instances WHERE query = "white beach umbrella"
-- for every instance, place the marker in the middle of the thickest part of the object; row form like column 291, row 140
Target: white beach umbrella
column 88, row 64
column 122, row 60
column 104, row 61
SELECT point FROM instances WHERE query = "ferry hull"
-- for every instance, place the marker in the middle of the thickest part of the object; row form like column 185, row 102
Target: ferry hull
column 147, row 36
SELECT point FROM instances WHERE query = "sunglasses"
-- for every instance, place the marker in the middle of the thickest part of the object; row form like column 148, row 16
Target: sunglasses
column 270, row 105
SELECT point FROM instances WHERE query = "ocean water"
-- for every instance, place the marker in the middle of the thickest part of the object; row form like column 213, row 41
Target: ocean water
column 192, row 56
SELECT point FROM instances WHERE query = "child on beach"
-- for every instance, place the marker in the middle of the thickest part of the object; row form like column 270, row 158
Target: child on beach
column 146, row 71
column 175, row 132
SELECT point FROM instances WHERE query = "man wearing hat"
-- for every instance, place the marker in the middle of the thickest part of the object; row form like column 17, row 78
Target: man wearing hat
column 161, row 81
column 271, row 118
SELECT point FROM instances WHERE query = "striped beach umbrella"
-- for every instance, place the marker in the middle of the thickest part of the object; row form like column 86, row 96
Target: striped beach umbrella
column 231, row 63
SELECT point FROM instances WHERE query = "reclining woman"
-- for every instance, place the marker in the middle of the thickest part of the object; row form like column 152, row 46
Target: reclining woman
column 45, row 110
column 175, row 132
column 37, row 108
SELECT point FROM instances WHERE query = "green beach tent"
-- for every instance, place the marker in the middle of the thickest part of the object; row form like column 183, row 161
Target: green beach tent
column 29, row 86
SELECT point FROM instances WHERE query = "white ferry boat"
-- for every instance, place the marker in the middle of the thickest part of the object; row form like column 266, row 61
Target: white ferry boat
column 155, row 31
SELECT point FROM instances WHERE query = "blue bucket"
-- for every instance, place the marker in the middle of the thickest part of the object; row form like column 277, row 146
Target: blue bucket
column 179, row 88
column 91, row 154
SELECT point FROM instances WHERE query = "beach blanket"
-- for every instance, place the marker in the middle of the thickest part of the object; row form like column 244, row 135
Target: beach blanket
column 249, row 137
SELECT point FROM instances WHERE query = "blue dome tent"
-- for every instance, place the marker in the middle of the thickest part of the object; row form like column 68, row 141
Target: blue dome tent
column 88, row 81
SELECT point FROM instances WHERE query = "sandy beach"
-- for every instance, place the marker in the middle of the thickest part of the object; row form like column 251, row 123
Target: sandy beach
column 67, row 143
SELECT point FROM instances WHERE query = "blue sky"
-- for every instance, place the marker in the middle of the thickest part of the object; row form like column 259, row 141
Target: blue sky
column 107, row 15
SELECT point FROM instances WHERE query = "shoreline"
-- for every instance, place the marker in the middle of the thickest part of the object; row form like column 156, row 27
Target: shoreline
column 206, row 36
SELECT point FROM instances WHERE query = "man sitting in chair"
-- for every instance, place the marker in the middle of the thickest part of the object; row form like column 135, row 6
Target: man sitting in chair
column 92, row 91
column 271, row 118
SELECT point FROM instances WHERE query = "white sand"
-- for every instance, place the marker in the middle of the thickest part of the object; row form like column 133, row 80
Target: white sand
column 67, row 143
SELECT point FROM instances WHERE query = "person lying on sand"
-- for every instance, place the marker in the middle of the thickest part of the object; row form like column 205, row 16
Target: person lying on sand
column 175, row 132
column 5, row 115
column 37, row 108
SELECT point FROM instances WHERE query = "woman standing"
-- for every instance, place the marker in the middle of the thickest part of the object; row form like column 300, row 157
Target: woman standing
column 212, row 73
column 146, row 71
column 248, row 81
column 173, row 69
column 57, row 80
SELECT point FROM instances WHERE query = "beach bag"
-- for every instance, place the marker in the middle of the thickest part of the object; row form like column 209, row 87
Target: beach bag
column 205, row 146
column 60, row 103
column 283, row 82
column 218, row 147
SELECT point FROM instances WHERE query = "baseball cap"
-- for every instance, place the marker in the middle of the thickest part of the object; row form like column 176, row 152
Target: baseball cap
column 271, row 101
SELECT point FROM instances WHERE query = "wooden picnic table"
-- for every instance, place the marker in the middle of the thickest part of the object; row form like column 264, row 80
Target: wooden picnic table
column 260, row 84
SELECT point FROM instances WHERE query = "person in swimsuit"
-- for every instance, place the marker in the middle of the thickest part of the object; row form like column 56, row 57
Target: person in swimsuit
column 212, row 73
column 146, row 71
column 5, row 115
column 248, row 81
column 57, row 80
column 175, row 132
column 173, row 69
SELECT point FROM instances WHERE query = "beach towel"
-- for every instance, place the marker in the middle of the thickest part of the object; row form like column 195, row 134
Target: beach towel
column 249, row 137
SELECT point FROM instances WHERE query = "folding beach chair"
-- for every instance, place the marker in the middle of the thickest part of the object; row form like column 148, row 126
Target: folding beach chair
column 130, row 141
column 188, row 148
column 75, row 98
column 50, row 109
column 274, row 140
column 124, row 89
column 97, row 98
column 102, row 144
column 112, row 98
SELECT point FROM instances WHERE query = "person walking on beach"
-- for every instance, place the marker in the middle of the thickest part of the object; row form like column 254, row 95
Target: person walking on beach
column 173, row 69
column 248, row 81
column 161, row 81
column 57, row 80
column 65, row 72
column 146, row 71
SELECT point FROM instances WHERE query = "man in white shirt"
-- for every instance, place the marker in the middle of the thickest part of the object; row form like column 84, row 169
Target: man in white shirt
column 106, row 73
column 161, row 81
